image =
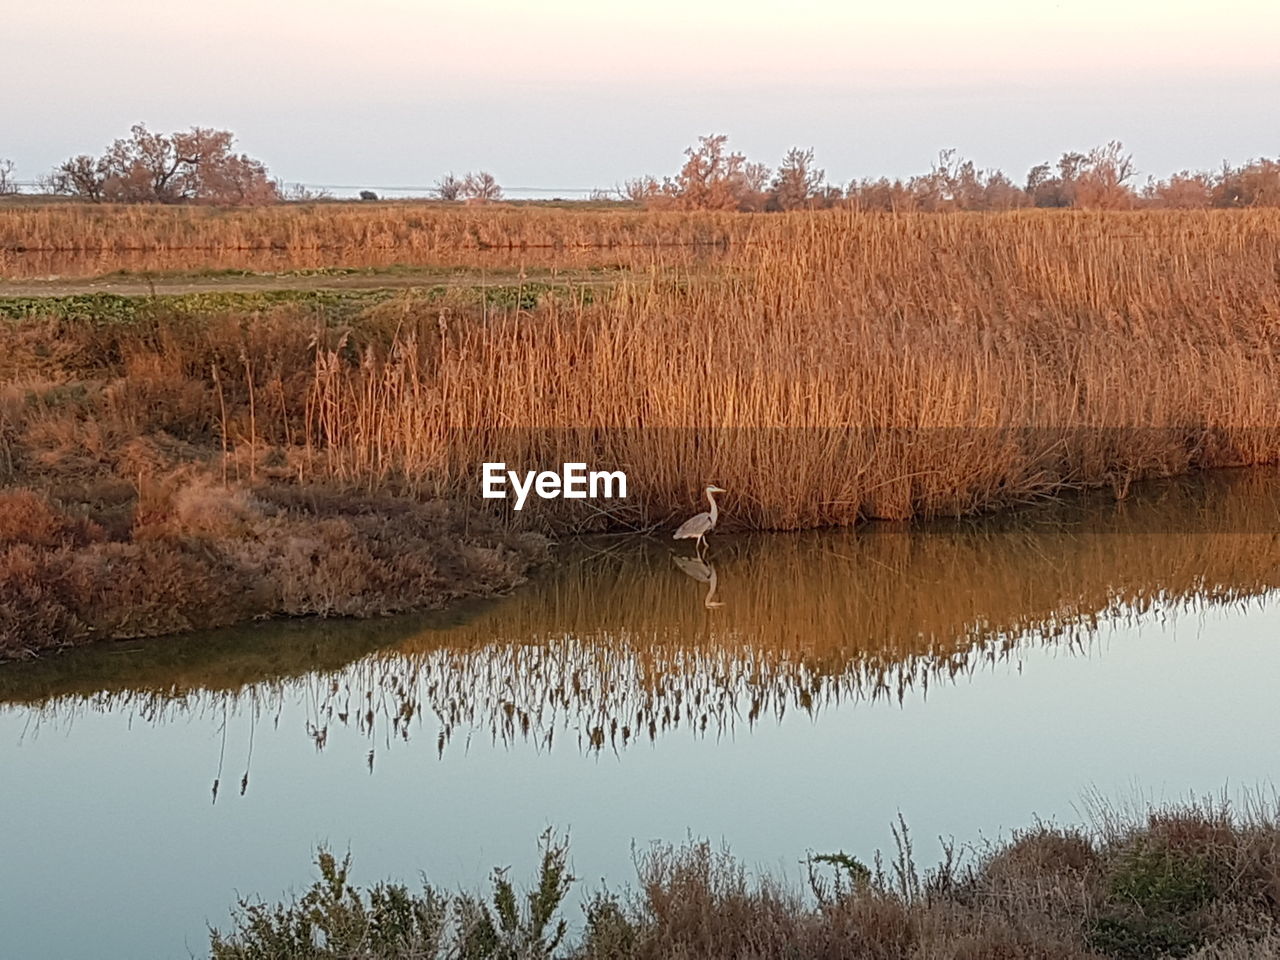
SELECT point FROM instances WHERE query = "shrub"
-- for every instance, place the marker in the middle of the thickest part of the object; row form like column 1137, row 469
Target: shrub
column 335, row 920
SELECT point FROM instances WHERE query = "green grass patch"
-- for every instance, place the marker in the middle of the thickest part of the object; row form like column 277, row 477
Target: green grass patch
column 110, row 308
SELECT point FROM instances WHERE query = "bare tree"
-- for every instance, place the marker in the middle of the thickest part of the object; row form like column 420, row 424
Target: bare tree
column 82, row 176
column 1255, row 184
column 648, row 191
column 7, row 185
column 481, row 187
column 1185, row 190
column 797, row 181
column 712, row 178
column 301, row 193
column 197, row 166
column 1049, row 190
column 1102, row 180
column 448, row 187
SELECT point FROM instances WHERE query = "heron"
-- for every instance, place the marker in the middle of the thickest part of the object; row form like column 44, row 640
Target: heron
column 697, row 527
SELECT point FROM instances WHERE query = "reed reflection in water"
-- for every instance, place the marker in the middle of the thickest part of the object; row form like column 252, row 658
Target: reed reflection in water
column 614, row 646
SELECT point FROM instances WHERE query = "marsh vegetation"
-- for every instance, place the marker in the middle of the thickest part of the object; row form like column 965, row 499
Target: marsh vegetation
column 833, row 367
column 1183, row 880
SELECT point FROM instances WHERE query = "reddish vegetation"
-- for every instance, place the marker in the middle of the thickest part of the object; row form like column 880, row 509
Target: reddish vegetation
column 714, row 178
column 193, row 167
column 199, row 555
column 120, row 518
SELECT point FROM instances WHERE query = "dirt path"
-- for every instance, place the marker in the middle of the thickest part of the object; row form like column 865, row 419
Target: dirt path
column 373, row 280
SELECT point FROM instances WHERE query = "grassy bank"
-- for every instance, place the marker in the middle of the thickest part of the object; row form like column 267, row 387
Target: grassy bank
column 187, row 553
column 1193, row 880
column 839, row 367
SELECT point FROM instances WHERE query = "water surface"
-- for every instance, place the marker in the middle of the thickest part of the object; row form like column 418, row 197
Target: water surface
column 795, row 693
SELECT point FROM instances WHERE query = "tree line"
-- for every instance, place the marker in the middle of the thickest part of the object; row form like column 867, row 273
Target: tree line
column 198, row 166
column 201, row 166
column 714, row 178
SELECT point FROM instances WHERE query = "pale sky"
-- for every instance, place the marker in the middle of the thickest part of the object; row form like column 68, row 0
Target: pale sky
column 579, row 94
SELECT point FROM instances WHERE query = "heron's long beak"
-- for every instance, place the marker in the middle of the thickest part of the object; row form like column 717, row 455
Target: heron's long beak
column 717, row 490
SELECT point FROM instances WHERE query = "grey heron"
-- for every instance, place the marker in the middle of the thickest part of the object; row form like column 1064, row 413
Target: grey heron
column 697, row 527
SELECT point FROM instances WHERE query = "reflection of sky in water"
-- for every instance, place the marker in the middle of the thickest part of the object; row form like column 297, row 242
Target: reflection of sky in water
column 113, row 848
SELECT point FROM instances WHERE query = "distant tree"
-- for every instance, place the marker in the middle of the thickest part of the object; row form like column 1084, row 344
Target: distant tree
column 1097, row 180
column 1042, row 186
column 943, row 186
column 797, row 183
column 197, row 166
column 368, row 195
column 1185, row 190
column 7, row 184
column 1049, row 190
column 952, row 183
column 449, row 187
column 1255, row 184
column 82, row 176
column 884, row 195
column 754, row 191
column 1001, row 193
column 1101, row 182
column 301, row 193
column 481, row 187
column 712, row 178
column 650, row 192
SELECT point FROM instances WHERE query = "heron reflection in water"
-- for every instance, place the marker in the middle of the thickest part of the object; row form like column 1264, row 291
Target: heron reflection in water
column 703, row 572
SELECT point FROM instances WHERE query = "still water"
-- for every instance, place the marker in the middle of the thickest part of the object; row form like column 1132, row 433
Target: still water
column 794, row 694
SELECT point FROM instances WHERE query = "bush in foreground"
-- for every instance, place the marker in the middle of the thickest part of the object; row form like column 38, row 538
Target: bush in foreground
column 1193, row 881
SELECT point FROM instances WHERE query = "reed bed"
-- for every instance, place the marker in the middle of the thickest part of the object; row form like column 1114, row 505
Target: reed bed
column 839, row 367
column 848, row 367
column 411, row 228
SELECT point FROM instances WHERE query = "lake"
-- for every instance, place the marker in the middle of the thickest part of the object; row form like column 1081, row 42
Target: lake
column 795, row 693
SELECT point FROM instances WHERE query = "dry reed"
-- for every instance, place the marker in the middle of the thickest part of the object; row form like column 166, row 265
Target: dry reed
column 411, row 228
column 850, row 366
column 837, row 368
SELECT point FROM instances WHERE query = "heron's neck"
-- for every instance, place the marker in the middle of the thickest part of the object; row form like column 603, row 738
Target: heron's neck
column 715, row 511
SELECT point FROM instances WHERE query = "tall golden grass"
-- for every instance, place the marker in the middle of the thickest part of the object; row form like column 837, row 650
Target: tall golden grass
column 82, row 240
column 848, row 366
column 839, row 367
column 412, row 229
